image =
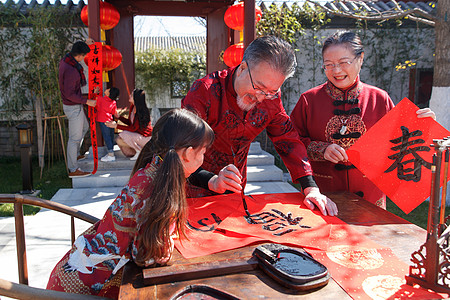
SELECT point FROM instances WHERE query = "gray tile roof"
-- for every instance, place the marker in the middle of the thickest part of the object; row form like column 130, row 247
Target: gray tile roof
column 188, row 43
column 369, row 6
column 427, row 6
column 24, row 7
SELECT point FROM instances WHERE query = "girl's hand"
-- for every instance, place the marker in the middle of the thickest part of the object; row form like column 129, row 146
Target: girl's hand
column 111, row 124
column 426, row 113
column 335, row 154
column 229, row 178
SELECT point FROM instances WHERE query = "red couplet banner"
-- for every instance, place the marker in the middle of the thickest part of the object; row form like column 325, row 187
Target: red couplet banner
column 395, row 154
column 95, row 63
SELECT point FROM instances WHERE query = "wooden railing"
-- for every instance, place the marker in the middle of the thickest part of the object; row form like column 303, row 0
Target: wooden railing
column 19, row 201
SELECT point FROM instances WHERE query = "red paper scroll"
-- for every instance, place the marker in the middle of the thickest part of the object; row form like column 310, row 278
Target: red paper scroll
column 395, row 154
column 220, row 223
column 95, row 86
column 205, row 216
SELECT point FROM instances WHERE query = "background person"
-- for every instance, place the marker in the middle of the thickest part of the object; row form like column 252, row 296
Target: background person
column 138, row 129
column 140, row 222
column 239, row 103
column 71, row 79
column 106, row 110
column 333, row 116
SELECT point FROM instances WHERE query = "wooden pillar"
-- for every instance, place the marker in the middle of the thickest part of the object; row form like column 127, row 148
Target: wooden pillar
column 94, row 19
column 124, row 76
column 249, row 22
column 217, row 40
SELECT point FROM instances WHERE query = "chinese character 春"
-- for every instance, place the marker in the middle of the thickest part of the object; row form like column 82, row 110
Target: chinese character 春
column 407, row 162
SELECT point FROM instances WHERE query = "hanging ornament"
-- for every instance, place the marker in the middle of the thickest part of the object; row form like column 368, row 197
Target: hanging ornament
column 233, row 55
column 112, row 58
column 109, row 15
column 234, row 16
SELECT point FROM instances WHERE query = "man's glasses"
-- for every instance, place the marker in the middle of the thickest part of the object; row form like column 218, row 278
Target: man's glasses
column 258, row 91
column 342, row 65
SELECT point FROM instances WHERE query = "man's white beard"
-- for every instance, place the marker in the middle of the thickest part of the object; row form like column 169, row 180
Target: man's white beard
column 244, row 106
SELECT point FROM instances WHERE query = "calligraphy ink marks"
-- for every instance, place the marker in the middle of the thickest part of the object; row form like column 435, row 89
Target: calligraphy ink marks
column 276, row 221
column 206, row 224
column 404, row 149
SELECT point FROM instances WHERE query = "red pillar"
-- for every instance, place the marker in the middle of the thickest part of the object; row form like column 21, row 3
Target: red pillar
column 249, row 22
column 94, row 19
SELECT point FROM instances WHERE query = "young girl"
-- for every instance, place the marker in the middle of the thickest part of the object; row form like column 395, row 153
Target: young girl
column 106, row 110
column 140, row 222
column 138, row 129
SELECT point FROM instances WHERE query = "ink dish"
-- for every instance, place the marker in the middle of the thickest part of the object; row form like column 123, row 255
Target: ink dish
column 292, row 267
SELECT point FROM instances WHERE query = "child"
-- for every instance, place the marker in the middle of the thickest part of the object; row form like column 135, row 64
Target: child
column 140, row 223
column 137, row 130
column 106, row 109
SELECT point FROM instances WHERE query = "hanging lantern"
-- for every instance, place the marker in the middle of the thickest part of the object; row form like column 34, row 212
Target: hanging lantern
column 233, row 55
column 112, row 58
column 234, row 16
column 109, row 16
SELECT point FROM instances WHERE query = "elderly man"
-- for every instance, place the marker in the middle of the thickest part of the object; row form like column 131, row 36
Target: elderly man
column 239, row 103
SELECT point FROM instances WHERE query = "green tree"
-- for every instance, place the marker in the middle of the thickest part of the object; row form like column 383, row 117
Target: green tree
column 159, row 69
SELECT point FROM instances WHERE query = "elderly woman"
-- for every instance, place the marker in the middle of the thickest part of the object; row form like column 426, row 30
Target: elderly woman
column 333, row 116
column 137, row 130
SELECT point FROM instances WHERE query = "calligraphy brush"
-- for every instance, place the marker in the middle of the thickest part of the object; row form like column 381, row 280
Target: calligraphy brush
column 242, row 190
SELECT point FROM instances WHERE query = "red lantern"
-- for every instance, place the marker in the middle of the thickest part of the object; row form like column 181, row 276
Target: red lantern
column 234, row 16
column 109, row 16
column 233, row 55
column 112, row 58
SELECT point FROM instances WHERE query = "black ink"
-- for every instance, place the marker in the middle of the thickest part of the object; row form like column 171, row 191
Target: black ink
column 276, row 221
column 203, row 223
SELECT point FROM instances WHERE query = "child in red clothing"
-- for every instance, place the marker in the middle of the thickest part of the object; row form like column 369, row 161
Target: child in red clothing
column 106, row 110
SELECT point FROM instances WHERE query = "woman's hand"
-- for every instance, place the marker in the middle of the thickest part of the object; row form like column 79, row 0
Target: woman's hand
column 314, row 198
column 229, row 178
column 335, row 154
column 111, row 124
column 426, row 113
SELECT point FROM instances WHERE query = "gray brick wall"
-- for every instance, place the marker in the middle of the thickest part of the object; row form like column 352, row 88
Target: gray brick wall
column 9, row 140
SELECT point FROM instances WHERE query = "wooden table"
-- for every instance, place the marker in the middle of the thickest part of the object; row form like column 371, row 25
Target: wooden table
column 377, row 224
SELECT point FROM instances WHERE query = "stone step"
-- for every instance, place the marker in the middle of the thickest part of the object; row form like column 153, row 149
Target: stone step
column 255, row 148
column 124, row 163
column 264, row 173
column 266, row 187
column 104, row 178
column 256, row 158
column 116, row 177
column 261, row 159
column 121, row 163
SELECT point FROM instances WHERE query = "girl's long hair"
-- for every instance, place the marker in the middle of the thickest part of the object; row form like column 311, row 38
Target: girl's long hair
column 177, row 129
column 142, row 112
